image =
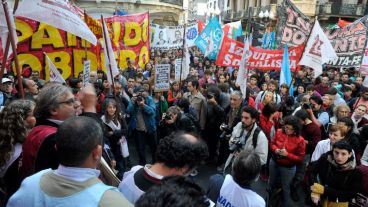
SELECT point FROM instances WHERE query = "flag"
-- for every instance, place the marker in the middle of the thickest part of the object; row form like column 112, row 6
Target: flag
column 4, row 31
column 110, row 61
column 285, row 75
column 55, row 75
column 59, row 14
column 242, row 78
column 318, row 50
column 185, row 64
column 211, row 34
column 343, row 23
column 233, row 29
column 200, row 26
column 94, row 25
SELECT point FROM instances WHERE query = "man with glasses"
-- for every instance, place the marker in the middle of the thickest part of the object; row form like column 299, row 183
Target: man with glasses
column 54, row 104
column 177, row 155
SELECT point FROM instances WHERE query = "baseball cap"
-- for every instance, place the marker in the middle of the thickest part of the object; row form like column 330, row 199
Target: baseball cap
column 6, row 80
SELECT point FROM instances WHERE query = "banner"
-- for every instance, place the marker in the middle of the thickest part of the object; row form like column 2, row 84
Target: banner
column 209, row 39
column 348, row 43
column 231, row 52
column 54, row 73
column 60, row 14
column 4, row 31
column 68, row 52
column 364, row 67
column 109, row 57
column 131, row 33
column 166, row 37
column 94, row 25
column 293, row 26
column 242, row 78
column 162, row 77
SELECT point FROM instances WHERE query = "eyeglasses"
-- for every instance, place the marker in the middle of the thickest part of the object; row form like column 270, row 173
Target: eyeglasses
column 68, row 102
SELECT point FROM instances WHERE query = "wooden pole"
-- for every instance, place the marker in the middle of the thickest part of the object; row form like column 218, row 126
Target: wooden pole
column 7, row 46
column 12, row 42
column 108, row 55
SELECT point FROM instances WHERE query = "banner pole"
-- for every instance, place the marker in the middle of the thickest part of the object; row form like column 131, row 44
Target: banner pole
column 108, row 55
column 7, row 46
column 85, row 42
column 183, row 48
column 14, row 47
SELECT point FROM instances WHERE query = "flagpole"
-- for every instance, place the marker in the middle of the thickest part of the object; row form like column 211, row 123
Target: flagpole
column 182, row 56
column 7, row 45
column 13, row 45
column 108, row 55
column 85, row 41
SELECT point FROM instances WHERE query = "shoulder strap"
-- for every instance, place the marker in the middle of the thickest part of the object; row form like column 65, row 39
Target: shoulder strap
column 255, row 137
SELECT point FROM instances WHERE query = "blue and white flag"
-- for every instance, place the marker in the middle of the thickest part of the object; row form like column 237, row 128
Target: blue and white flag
column 211, row 34
column 285, row 75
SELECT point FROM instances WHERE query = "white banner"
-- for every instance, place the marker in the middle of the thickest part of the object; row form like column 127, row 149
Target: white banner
column 109, row 57
column 177, row 69
column 58, row 13
column 4, row 32
column 166, row 37
column 162, row 77
column 86, row 72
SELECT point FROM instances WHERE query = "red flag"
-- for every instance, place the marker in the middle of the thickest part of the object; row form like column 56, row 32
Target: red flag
column 343, row 23
column 200, row 26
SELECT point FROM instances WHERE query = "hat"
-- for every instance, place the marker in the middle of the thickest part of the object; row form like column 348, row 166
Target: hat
column 6, row 80
column 138, row 89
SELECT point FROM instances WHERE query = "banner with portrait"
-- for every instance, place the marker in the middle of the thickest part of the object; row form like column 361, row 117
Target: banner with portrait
column 166, row 37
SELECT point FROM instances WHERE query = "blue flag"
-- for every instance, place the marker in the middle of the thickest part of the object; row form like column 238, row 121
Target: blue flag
column 285, row 75
column 210, row 39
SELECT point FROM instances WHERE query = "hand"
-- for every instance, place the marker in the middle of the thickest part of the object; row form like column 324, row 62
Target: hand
column 212, row 101
column 310, row 111
column 88, row 98
column 179, row 95
column 283, row 152
column 315, row 198
column 317, row 188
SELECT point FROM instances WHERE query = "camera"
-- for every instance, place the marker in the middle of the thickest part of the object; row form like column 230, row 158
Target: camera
column 226, row 130
column 306, row 106
column 235, row 146
column 210, row 95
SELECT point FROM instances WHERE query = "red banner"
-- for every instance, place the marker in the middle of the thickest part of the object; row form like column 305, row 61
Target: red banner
column 67, row 51
column 231, row 52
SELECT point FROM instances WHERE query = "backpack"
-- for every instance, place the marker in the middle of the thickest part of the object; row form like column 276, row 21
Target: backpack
column 194, row 120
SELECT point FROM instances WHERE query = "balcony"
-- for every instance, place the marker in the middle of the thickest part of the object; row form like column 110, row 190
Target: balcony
column 337, row 9
column 227, row 16
column 175, row 2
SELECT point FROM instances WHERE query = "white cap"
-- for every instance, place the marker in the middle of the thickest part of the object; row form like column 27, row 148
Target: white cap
column 6, row 80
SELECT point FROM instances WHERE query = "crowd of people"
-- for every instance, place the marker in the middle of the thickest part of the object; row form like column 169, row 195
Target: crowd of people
column 53, row 141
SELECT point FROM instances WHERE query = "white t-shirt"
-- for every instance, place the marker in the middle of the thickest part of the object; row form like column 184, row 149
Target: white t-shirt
column 231, row 194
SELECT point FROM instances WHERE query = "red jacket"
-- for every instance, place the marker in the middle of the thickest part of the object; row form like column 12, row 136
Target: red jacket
column 295, row 146
column 266, row 125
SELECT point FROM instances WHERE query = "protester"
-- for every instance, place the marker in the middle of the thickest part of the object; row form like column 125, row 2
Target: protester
column 16, row 120
column 288, row 150
column 176, row 154
column 335, row 177
column 6, row 92
column 75, row 182
column 235, row 189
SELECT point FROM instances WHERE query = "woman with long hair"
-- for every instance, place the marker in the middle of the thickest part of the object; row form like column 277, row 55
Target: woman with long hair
column 335, row 177
column 174, row 93
column 16, row 120
column 288, row 150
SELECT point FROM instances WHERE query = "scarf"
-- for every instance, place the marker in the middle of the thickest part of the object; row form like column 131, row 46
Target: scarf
column 349, row 165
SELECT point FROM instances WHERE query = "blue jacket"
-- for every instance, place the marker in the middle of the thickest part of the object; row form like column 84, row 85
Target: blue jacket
column 149, row 113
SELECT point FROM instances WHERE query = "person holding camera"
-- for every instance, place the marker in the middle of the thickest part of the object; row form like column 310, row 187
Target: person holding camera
column 288, row 150
column 247, row 135
column 142, row 111
column 233, row 117
column 175, row 120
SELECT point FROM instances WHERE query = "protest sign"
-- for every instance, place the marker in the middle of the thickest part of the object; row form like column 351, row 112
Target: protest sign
column 69, row 51
column 177, row 69
column 86, row 72
column 191, row 34
column 166, row 37
column 162, row 77
column 263, row 59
